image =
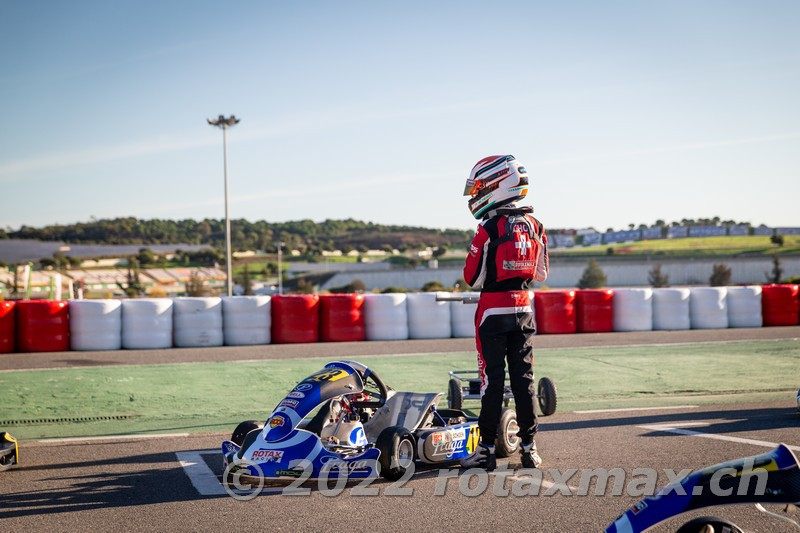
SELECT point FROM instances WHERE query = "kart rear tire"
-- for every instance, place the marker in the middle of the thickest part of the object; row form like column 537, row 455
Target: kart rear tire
column 396, row 445
column 508, row 442
column 698, row 525
column 241, row 431
column 455, row 396
column 548, row 396
column 7, row 458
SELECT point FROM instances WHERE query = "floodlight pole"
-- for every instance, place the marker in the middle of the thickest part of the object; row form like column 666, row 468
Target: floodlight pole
column 224, row 124
column 280, row 274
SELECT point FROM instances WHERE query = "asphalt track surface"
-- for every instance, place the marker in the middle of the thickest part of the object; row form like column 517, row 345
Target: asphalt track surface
column 140, row 484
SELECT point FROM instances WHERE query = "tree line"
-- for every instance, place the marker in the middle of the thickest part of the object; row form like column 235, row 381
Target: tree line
column 304, row 235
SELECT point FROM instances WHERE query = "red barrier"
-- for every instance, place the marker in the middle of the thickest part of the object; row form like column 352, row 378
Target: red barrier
column 295, row 318
column 594, row 309
column 341, row 317
column 6, row 327
column 780, row 305
column 42, row 326
column 555, row 312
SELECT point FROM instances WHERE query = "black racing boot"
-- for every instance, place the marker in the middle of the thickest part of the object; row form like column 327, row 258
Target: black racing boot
column 530, row 457
column 484, row 458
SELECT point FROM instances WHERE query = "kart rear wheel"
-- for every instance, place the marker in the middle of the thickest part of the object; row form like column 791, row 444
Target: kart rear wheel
column 455, row 396
column 508, row 441
column 548, row 396
column 243, row 429
column 7, row 459
column 396, row 445
column 700, row 524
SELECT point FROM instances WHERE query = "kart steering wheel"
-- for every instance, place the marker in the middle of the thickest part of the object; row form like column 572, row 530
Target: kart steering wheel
column 379, row 396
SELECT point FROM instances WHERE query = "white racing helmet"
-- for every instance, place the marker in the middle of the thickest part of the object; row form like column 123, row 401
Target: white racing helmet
column 495, row 181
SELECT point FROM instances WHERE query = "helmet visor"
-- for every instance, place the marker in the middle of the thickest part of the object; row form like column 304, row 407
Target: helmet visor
column 472, row 187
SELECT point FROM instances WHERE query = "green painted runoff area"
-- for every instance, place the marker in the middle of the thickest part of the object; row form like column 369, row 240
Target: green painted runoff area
column 214, row 397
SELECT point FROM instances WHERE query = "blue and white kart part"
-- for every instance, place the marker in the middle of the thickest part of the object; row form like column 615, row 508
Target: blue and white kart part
column 361, row 424
column 772, row 477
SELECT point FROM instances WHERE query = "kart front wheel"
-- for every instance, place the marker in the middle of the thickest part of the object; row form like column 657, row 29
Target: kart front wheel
column 702, row 523
column 243, row 429
column 455, row 396
column 508, row 441
column 396, row 445
column 548, row 396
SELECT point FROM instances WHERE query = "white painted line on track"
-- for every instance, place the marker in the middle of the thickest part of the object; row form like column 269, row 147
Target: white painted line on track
column 201, row 476
column 670, row 428
column 631, row 409
column 113, row 437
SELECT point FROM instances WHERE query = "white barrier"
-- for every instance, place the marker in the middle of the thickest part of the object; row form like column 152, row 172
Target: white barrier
column 95, row 325
column 197, row 322
column 708, row 308
column 744, row 307
column 671, row 309
column 246, row 320
column 427, row 318
column 147, row 323
column 462, row 316
column 385, row 317
column 633, row 309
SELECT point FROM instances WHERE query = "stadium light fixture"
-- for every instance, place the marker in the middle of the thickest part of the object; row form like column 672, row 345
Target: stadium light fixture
column 224, row 124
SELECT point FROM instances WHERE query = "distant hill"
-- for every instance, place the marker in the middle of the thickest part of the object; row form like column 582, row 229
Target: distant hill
column 305, row 235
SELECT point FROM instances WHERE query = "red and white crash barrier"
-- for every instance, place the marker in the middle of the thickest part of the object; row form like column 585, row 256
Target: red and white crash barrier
column 151, row 323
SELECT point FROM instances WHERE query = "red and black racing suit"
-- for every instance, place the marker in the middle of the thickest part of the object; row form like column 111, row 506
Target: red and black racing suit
column 508, row 252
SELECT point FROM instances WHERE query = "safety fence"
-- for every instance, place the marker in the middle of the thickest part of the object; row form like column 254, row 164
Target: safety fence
column 157, row 323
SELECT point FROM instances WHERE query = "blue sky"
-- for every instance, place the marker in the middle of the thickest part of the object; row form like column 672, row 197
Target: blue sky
column 622, row 111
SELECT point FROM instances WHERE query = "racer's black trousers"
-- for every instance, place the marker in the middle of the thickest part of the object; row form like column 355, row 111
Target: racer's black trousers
column 500, row 337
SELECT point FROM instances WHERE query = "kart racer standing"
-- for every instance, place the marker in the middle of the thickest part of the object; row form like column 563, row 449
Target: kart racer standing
column 508, row 252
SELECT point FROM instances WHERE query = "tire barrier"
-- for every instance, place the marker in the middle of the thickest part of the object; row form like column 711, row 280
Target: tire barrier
column 246, row 320
column 555, row 312
column 197, row 322
column 744, row 307
column 708, row 307
column 594, row 310
column 42, row 326
column 780, row 305
column 295, row 318
column 341, row 318
column 95, row 325
column 7, row 325
column 427, row 318
column 147, row 324
column 633, row 309
column 671, row 309
column 386, row 317
column 462, row 316
column 157, row 323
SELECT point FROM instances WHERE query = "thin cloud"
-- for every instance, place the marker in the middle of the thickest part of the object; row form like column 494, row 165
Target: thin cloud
column 665, row 149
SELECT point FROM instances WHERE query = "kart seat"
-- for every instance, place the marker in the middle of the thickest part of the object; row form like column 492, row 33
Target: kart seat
column 408, row 409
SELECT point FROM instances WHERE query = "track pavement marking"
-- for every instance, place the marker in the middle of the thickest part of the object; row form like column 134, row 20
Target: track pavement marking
column 626, row 409
column 671, row 428
column 204, row 480
column 113, row 437
column 201, row 476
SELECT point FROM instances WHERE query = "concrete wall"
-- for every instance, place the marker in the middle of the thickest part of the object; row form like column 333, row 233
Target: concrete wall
column 567, row 272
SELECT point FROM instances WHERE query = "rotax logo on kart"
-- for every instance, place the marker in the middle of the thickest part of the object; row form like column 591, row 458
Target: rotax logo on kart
column 268, row 456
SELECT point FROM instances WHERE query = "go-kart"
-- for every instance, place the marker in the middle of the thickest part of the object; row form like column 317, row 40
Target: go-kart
column 362, row 427
column 9, row 451
column 466, row 385
column 775, row 478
